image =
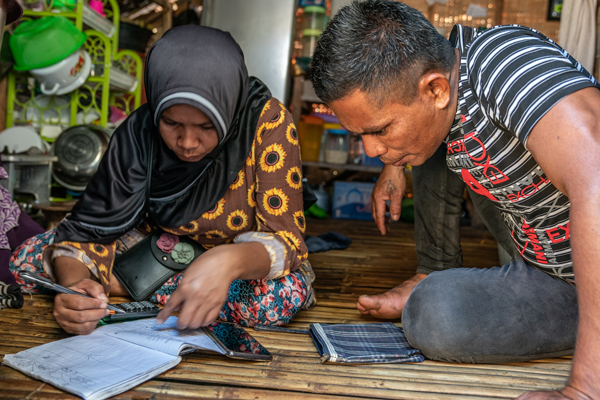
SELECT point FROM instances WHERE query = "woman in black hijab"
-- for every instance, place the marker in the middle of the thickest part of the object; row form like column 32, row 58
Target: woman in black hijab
column 212, row 157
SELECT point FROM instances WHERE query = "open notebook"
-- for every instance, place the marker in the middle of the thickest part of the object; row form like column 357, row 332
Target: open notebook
column 115, row 358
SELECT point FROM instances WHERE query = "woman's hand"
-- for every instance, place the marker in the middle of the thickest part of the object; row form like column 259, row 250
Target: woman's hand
column 205, row 284
column 390, row 185
column 78, row 314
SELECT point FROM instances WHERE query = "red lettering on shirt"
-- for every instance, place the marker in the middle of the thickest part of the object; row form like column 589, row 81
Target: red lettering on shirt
column 475, row 185
column 493, row 174
column 483, row 151
column 456, row 146
column 566, row 229
column 527, row 190
column 554, row 233
column 533, row 239
column 497, row 176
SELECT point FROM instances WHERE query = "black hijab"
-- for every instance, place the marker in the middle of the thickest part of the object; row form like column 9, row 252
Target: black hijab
column 193, row 65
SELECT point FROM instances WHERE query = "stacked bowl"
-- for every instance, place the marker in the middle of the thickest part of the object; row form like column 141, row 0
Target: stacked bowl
column 50, row 49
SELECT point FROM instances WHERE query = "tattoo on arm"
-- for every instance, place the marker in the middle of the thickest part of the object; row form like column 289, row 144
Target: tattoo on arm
column 390, row 188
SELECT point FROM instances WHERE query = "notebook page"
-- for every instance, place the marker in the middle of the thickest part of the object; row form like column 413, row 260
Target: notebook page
column 94, row 367
column 165, row 338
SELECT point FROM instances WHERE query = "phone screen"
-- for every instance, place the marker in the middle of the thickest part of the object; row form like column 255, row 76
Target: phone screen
column 238, row 341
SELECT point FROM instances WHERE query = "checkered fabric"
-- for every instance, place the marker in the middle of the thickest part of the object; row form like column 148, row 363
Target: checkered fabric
column 363, row 343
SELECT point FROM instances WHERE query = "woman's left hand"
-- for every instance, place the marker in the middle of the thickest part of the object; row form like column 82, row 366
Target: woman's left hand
column 205, row 284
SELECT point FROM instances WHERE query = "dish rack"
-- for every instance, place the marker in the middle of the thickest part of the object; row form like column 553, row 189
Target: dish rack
column 114, row 78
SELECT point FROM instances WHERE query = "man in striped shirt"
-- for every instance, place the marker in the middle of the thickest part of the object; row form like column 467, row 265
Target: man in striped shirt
column 511, row 116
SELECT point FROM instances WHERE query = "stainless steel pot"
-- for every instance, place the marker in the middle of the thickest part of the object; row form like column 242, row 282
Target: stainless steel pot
column 79, row 150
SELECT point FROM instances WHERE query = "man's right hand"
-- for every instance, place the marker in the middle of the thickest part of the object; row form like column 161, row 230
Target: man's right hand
column 391, row 185
column 78, row 314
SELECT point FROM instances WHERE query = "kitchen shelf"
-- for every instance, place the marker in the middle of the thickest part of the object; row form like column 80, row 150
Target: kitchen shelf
column 345, row 167
column 81, row 14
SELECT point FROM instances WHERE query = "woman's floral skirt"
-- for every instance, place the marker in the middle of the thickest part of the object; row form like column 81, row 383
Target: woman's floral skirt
column 249, row 302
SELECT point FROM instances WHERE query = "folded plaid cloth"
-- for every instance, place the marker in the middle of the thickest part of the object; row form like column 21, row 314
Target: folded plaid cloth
column 10, row 296
column 363, row 343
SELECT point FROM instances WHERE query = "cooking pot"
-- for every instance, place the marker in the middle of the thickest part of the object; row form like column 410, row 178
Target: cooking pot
column 79, row 150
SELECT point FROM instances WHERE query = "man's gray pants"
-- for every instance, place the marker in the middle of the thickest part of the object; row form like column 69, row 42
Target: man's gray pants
column 503, row 314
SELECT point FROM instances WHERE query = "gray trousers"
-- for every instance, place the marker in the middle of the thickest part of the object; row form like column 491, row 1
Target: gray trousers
column 511, row 313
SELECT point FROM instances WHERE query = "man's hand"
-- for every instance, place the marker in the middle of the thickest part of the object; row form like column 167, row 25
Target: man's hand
column 568, row 393
column 391, row 185
column 78, row 314
column 205, row 284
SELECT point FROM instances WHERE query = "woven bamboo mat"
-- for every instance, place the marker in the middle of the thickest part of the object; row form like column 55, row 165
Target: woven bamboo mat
column 372, row 264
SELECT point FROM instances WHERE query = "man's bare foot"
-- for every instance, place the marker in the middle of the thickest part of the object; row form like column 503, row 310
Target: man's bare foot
column 389, row 305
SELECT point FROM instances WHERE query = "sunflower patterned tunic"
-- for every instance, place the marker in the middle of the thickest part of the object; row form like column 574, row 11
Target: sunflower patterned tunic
column 264, row 204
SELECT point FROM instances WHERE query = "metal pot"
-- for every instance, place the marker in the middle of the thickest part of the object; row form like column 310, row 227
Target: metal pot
column 79, row 150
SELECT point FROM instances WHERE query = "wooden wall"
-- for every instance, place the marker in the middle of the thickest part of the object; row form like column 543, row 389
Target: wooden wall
column 531, row 13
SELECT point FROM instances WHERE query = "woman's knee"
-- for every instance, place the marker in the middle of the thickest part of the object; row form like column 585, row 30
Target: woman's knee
column 28, row 257
column 265, row 302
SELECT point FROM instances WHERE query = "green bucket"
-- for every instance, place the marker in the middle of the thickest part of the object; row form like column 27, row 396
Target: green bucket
column 42, row 42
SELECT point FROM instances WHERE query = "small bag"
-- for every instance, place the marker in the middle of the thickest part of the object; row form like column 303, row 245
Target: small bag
column 144, row 268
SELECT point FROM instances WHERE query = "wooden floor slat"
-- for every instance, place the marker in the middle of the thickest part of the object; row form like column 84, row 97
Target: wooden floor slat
column 371, row 265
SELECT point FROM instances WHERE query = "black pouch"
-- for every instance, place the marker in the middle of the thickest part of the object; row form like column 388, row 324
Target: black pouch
column 144, row 268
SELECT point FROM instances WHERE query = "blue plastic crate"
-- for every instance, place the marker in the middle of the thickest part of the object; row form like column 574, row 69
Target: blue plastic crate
column 352, row 200
column 372, row 161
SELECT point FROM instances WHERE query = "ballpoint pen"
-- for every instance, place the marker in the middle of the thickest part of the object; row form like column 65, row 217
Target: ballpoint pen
column 47, row 283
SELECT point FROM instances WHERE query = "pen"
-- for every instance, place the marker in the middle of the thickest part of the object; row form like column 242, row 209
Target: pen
column 40, row 280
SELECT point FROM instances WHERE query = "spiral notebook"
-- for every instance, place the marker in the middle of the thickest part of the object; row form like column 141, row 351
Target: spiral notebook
column 113, row 358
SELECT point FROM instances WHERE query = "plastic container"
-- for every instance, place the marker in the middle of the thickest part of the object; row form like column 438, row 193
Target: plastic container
column 309, row 41
column 336, row 146
column 97, row 6
column 310, row 131
column 326, row 127
column 322, row 198
column 314, row 18
column 65, row 5
column 352, row 200
column 372, row 161
column 42, row 42
column 356, row 150
column 327, row 118
column 304, row 3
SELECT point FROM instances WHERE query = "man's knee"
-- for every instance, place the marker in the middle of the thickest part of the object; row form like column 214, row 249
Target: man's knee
column 433, row 317
column 509, row 314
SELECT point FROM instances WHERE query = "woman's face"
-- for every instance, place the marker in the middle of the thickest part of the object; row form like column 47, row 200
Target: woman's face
column 188, row 132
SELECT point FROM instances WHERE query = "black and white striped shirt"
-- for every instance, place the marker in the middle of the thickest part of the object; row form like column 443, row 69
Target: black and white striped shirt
column 510, row 76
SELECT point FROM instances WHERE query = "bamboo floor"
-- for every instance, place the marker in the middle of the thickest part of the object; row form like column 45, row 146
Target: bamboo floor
column 371, row 265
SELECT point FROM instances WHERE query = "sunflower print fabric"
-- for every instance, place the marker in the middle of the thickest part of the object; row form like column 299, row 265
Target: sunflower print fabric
column 249, row 302
column 263, row 204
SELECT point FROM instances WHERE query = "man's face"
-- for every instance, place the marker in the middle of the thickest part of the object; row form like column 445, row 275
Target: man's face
column 397, row 134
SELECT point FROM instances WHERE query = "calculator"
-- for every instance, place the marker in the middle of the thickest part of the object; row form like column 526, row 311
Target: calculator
column 134, row 310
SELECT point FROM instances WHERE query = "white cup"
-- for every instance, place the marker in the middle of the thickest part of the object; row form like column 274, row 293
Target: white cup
column 64, row 76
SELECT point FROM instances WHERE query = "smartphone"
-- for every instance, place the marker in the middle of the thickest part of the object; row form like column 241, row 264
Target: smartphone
column 235, row 342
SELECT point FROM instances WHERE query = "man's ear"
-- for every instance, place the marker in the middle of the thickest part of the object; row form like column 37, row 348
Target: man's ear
column 435, row 87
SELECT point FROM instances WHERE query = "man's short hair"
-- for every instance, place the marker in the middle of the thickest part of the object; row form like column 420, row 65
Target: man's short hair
column 381, row 47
